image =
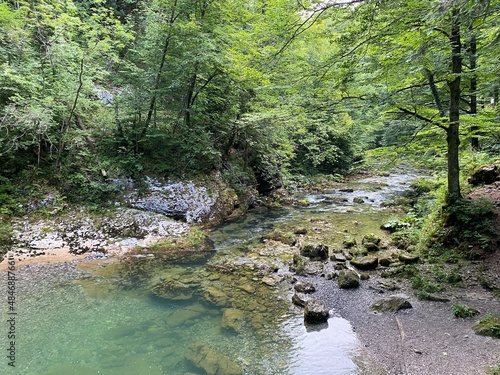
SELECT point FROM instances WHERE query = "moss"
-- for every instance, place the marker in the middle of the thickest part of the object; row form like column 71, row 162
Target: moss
column 285, row 237
column 488, row 326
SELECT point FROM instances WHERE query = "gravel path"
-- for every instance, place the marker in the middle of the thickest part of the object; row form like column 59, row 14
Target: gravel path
column 424, row 340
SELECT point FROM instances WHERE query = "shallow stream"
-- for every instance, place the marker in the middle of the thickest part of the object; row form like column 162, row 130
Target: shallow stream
column 82, row 318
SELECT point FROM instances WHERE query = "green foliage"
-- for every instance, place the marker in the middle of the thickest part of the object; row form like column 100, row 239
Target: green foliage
column 5, row 236
column 463, row 311
column 494, row 370
column 81, row 188
column 424, row 284
column 323, row 147
column 8, row 204
column 422, row 185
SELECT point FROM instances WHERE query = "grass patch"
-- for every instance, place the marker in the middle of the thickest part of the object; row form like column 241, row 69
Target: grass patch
column 463, row 311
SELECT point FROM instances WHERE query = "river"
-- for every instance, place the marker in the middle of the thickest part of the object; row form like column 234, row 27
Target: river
column 92, row 318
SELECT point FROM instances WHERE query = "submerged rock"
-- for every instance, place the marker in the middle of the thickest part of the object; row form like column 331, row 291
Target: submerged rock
column 172, row 290
column 232, row 319
column 391, row 304
column 316, row 311
column 213, row 363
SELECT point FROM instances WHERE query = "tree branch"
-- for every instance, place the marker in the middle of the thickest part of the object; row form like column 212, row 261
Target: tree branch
column 420, row 117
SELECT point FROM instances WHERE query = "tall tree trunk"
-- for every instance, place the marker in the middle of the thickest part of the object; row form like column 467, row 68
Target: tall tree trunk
column 473, row 90
column 452, row 132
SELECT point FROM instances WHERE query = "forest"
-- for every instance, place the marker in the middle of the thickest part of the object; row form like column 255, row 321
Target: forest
column 260, row 90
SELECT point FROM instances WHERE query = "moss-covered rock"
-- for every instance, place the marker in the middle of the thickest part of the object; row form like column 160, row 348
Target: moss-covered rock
column 348, row 279
column 488, row 326
column 314, row 251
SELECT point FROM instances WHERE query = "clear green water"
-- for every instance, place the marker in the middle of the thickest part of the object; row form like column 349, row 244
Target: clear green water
column 61, row 329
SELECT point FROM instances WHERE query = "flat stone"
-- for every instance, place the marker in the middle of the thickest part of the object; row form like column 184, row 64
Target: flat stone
column 365, row 263
column 408, row 258
column 392, row 304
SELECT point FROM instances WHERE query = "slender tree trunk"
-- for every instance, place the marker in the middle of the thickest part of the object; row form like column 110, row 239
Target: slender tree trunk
column 435, row 94
column 189, row 101
column 156, row 87
column 452, row 132
column 473, row 91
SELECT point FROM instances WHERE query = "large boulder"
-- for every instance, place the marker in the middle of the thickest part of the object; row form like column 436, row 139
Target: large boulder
column 348, row 279
column 185, row 200
column 315, row 311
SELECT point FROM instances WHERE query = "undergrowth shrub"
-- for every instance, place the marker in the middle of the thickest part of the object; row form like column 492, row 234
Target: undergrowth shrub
column 470, row 222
